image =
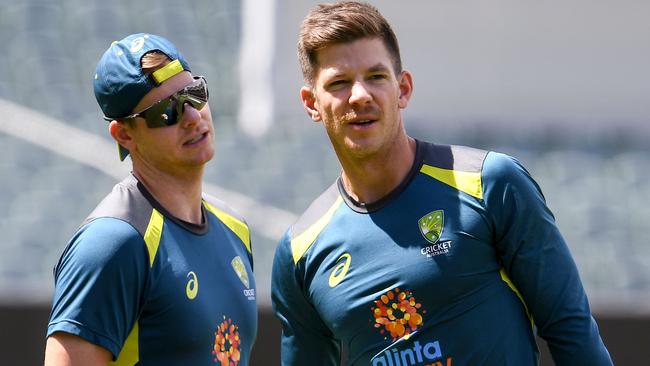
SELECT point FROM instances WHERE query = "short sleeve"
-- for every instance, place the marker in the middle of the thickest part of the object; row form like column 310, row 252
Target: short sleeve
column 306, row 340
column 99, row 284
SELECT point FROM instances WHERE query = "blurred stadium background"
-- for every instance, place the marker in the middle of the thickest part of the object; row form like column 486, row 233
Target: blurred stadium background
column 562, row 85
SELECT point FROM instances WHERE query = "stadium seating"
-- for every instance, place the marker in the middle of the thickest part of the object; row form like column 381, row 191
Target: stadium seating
column 598, row 196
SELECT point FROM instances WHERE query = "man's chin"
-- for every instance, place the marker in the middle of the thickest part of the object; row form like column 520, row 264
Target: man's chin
column 362, row 149
column 200, row 160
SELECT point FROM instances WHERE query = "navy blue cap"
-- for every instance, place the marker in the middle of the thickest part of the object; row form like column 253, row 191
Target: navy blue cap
column 120, row 83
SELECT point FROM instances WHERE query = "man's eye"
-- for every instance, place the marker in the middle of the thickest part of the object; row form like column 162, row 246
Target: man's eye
column 337, row 82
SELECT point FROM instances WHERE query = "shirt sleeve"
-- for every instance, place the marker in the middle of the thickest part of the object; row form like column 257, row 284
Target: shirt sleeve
column 538, row 262
column 306, row 340
column 99, row 283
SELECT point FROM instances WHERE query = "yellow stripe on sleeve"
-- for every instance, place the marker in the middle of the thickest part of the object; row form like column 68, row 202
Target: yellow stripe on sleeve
column 506, row 279
column 302, row 242
column 130, row 353
column 238, row 227
column 153, row 234
column 468, row 182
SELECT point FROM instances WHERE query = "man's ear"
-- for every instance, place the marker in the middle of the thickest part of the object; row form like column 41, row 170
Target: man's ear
column 122, row 133
column 309, row 102
column 405, row 81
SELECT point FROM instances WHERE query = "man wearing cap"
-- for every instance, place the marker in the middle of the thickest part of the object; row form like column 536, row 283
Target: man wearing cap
column 159, row 273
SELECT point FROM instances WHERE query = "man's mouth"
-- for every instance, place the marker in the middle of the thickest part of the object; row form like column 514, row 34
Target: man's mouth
column 197, row 139
column 363, row 122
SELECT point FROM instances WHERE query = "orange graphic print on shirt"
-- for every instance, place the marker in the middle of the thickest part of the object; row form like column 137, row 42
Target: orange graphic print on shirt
column 396, row 313
column 226, row 344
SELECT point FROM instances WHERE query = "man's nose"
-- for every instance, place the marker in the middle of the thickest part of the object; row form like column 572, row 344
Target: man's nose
column 360, row 93
column 191, row 116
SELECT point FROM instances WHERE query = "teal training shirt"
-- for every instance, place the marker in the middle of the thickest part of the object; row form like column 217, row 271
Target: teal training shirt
column 154, row 290
column 451, row 268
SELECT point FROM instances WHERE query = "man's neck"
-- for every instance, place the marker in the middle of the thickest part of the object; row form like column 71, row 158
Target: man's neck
column 369, row 179
column 179, row 194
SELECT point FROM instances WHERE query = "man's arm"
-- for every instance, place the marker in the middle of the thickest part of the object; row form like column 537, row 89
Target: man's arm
column 539, row 263
column 100, row 283
column 306, row 340
column 65, row 349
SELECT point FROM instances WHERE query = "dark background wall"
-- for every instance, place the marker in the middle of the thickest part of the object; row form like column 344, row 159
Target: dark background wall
column 22, row 340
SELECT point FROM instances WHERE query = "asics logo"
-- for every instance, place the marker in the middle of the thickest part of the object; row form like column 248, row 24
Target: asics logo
column 192, row 287
column 339, row 272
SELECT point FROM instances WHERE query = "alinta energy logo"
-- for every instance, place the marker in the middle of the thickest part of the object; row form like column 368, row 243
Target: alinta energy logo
column 226, row 344
column 397, row 315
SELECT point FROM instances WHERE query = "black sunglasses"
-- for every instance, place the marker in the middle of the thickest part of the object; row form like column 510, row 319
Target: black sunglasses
column 168, row 111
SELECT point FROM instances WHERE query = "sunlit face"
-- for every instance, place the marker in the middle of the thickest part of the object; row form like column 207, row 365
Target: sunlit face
column 358, row 97
column 186, row 144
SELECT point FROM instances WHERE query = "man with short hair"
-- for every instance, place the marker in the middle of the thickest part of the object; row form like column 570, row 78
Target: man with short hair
column 160, row 273
column 418, row 254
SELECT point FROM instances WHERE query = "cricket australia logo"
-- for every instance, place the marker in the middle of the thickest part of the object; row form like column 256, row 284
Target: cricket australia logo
column 240, row 269
column 431, row 226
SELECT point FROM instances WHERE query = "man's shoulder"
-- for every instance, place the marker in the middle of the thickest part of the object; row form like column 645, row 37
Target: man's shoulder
column 318, row 210
column 125, row 203
column 453, row 157
column 229, row 217
column 215, row 204
column 467, row 159
column 303, row 233
column 470, row 170
column 104, row 241
column 107, row 230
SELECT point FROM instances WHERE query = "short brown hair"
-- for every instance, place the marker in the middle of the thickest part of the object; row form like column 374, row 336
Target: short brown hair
column 342, row 22
column 150, row 62
column 153, row 60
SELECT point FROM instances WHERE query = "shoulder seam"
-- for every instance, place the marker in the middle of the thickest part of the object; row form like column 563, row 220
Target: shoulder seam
column 301, row 243
column 467, row 182
column 238, row 227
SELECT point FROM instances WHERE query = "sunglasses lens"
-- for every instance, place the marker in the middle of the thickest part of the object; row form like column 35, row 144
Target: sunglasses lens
column 195, row 94
column 161, row 114
column 198, row 90
column 197, row 104
column 169, row 111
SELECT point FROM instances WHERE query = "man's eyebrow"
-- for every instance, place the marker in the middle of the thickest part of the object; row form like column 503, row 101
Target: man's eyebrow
column 378, row 67
column 337, row 74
